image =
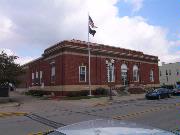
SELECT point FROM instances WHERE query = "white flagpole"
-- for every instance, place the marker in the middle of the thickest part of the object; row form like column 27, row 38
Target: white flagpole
column 89, row 55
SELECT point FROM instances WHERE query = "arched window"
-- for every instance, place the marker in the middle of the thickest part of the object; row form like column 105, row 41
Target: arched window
column 124, row 73
column 151, row 76
column 135, row 73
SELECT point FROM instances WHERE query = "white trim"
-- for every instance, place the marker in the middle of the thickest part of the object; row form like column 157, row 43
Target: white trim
column 37, row 74
column 32, row 75
column 151, row 76
column 40, row 76
column 100, row 56
column 80, row 72
column 113, row 74
column 135, row 73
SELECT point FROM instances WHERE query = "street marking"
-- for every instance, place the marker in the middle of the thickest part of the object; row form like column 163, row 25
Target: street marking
column 6, row 114
column 42, row 132
column 136, row 114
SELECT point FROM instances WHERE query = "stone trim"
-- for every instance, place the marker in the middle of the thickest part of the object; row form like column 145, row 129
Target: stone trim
column 80, row 54
column 78, row 87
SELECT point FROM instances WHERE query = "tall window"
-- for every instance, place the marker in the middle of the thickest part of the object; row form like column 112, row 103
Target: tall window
column 135, row 73
column 41, row 76
column 82, row 73
column 177, row 72
column 110, row 71
column 151, row 77
column 160, row 73
column 124, row 73
column 32, row 78
column 169, row 72
column 166, row 72
column 53, row 72
column 36, row 74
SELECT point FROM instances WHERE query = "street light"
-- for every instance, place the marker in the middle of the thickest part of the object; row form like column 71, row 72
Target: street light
column 110, row 77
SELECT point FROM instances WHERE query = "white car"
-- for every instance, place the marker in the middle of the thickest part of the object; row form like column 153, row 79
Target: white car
column 108, row 127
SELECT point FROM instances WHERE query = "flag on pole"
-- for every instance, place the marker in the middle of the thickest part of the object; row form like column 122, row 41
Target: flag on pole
column 91, row 25
column 91, row 31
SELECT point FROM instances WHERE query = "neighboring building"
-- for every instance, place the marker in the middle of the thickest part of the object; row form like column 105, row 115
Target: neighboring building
column 169, row 74
column 64, row 67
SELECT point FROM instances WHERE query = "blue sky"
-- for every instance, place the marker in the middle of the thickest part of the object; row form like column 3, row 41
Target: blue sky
column 165, row 13
column 150, row 26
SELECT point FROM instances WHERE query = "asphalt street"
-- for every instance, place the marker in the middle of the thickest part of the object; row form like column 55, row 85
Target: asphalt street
column 164, row 114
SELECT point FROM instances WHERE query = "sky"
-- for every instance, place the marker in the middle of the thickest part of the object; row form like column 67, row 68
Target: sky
column 150, row 26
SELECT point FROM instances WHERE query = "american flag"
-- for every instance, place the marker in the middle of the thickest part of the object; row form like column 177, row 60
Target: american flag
column 91, row 23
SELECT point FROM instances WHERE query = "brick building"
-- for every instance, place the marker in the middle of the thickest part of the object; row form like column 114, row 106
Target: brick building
column 63, row 67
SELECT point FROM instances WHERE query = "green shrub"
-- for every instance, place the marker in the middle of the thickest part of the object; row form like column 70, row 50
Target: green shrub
column 78, row 93
column 101, row 91
column 84, row 93
column 35, row 93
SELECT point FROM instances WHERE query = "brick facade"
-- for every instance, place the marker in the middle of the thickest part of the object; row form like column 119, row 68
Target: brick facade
column 67, row 56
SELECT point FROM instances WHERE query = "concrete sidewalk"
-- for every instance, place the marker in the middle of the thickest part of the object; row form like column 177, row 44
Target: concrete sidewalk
column 105, row 100
column 30, row 104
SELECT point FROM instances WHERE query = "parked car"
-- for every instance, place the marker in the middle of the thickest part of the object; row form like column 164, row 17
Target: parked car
column 176, row 92
column 108, row 127
column 159, row 93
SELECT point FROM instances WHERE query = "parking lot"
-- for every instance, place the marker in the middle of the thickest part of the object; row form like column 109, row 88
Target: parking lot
column 43, row 115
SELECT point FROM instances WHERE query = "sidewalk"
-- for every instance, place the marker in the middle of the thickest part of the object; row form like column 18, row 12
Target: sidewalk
column 105, row 100
column 30, row 104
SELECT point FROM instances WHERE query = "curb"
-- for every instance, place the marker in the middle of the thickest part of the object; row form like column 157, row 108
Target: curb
column 12, row 104
column 133, row 115
column 109, row 102
column 119, row 101
column 6, row 114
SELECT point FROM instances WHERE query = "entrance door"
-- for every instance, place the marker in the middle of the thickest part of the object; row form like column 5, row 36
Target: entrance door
column 124, row 78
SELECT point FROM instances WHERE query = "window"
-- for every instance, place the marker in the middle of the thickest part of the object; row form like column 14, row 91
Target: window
column 135, row 73
column 82, row 73
column 124, row 73
column 110, row 72
column 32, row 78
column 167, row 78
column 166, row 72
column 41, row 76
column 160, row 73
column 53, row 70
column 177, row 71
column 151, row 77
column 36, row 74
column 169, row 72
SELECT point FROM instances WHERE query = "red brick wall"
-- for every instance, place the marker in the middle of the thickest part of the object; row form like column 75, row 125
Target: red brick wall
column 67, row 70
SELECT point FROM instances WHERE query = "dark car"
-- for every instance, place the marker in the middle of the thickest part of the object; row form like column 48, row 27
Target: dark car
column 176, row 92
column 108, row 127
column 159, row 93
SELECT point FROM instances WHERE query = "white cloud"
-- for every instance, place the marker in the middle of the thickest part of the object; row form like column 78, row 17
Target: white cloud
column 37, row 25
column 136, row 4
column 20, row 60
column 7, row 51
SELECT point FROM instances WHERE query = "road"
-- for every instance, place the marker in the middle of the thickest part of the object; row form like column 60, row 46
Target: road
column 164, row 114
